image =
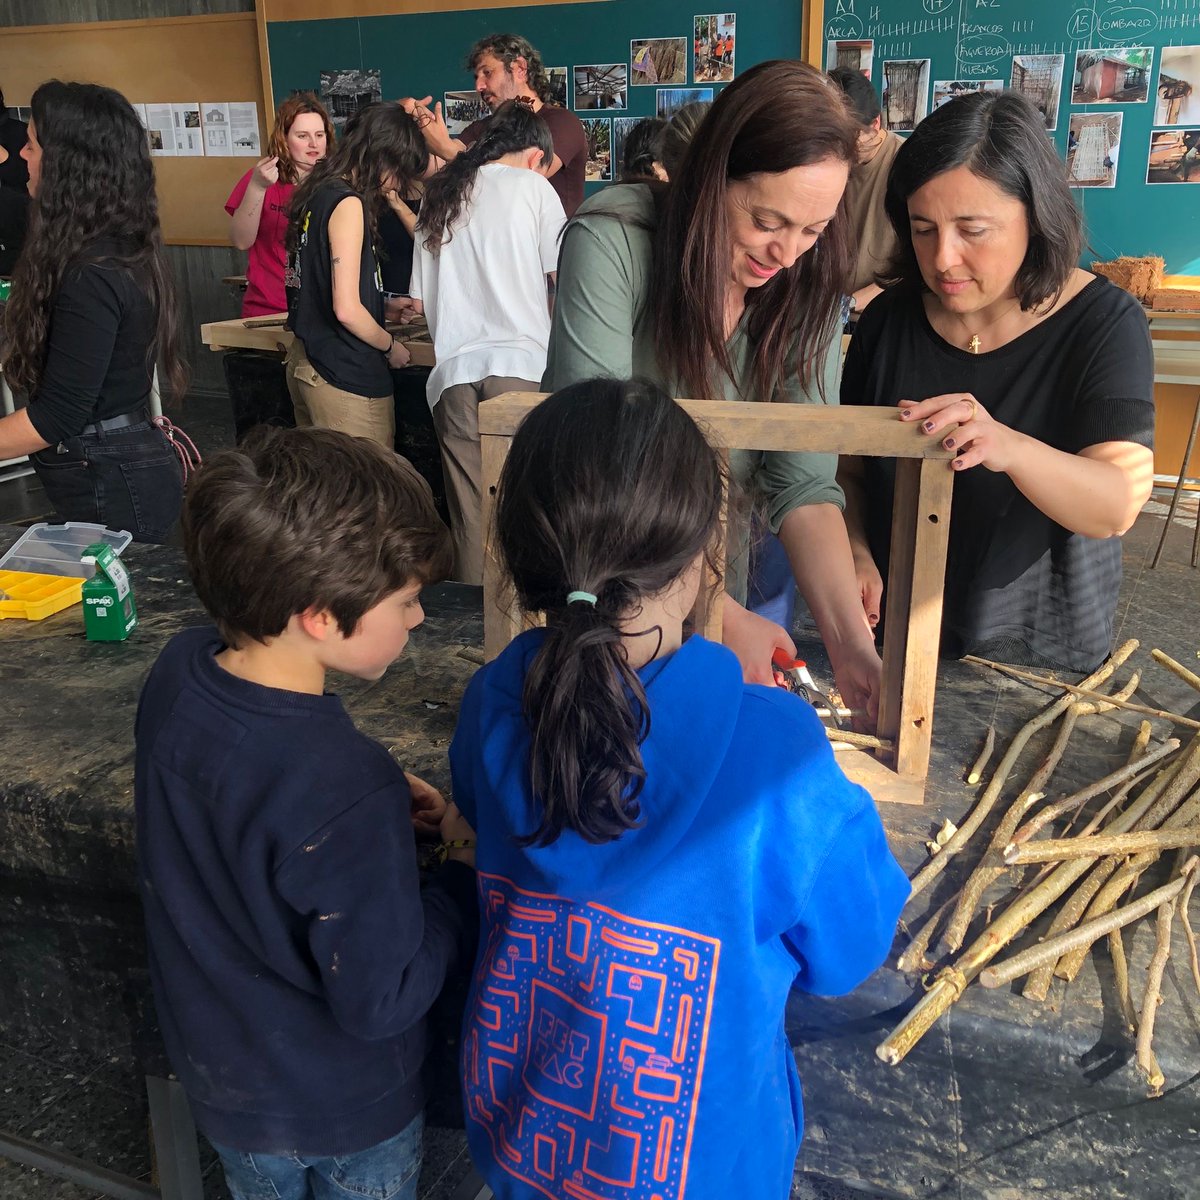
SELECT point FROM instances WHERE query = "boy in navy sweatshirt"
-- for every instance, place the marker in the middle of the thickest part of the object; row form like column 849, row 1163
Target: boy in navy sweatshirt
column 293, row 954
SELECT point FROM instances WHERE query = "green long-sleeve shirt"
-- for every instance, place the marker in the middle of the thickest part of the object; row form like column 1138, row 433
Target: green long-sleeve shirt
column 603, row 327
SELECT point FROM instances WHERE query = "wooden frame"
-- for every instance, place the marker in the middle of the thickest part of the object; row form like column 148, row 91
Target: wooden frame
column 268, row 333
column 920, row 532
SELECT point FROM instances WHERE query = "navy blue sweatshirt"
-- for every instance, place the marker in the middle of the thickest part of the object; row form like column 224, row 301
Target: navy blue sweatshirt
column 292, row 953
column 624, row 1036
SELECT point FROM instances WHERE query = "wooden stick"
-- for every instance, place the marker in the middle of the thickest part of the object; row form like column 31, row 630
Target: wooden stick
column 265, row 323
column 1146, row 1061
column 1134, row 772
column 1077, row 690
column 1184, row 901
column 975, row 774
column 867, row 741
column 951, row 981
column 985, row 874
column 1037, row 986
column 1060, row 849
column 1054, row 948
column 991, row 793
column 1127, row 875
column 1116, row 951
column 1176, row 668
column 913, row 958
column 1140, row 743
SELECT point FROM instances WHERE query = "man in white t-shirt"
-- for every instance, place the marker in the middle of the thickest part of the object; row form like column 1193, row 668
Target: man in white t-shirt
column 484, row 293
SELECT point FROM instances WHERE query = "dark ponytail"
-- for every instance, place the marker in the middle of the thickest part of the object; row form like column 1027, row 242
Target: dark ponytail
column 609, row 489
column 513, row 127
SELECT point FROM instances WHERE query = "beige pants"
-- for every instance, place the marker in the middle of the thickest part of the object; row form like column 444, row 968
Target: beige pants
column 456, row 419
column 318, row 403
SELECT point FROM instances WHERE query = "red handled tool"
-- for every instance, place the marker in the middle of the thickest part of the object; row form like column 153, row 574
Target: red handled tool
column 793, row 674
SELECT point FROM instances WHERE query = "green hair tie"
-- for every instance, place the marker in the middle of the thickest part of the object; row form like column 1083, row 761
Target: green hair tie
column 586, row 597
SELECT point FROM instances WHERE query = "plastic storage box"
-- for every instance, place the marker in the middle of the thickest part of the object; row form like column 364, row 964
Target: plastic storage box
column 41, row 574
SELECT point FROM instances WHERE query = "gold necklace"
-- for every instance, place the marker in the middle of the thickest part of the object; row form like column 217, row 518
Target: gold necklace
column 974, row 344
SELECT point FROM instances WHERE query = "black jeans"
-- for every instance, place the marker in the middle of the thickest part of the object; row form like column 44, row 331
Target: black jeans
column 258, row 391
column 124, row 479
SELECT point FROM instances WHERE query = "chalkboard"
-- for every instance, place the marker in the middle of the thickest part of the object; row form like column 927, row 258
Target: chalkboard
column 419, row 54
column 973, row 40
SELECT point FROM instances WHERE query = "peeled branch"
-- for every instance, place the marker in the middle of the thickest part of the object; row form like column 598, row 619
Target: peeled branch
column 991, row 794
column 1176, row 668
column 975, row 774
column 1060, row 849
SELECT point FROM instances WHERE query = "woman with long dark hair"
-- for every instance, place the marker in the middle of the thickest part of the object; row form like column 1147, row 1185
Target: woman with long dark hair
column 338, row 365
column 1045, row 369
column 487, row 239
column 727, row 284
column 92, row 309
column 641, row 813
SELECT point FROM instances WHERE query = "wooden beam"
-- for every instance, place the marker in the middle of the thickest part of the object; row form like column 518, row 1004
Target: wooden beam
column 318, row 10
column 827, row 429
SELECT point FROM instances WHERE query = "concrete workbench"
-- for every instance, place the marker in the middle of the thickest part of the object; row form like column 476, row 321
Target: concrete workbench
column 1004, row 1099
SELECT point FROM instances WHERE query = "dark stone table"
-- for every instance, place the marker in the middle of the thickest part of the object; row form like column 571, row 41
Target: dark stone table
column 1004, row 1099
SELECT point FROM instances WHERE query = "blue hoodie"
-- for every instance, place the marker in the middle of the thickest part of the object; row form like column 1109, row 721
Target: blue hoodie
column 624, row 1035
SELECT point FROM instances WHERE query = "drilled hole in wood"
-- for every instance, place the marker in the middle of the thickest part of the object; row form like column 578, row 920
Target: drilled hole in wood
column 933, row 518
column 918, row 722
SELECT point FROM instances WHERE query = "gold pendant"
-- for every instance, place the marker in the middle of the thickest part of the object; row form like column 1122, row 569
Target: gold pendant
column 973, row 346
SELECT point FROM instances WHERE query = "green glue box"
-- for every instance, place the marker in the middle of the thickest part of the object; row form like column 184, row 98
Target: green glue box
column 109, row 614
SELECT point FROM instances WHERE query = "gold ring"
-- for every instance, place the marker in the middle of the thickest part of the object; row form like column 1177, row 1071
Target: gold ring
column 974, row 408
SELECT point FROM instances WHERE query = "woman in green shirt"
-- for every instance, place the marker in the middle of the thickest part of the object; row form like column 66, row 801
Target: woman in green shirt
column 727, row 285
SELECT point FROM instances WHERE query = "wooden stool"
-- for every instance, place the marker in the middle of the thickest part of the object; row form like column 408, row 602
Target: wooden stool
column 920, row 530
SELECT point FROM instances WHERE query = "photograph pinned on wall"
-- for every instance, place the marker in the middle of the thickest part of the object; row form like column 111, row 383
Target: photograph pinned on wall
column 344, row 92
column 1177, row 98
column 714, row 37
column 1174, row 156
column 856, row 55
column 462, row 109
column 1112, row 75
column 945, row 90
column 189, row 141
column 1093, row 144
column 658, row 60
column 670, row 100
column 601, row 86
column 905, row 98
column 1039, row 78
column 160, row 130
column 598, row 133
column 558, row 86
column 218, row 136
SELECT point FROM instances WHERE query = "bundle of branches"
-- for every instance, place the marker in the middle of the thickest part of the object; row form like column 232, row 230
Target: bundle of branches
column 1150, row 805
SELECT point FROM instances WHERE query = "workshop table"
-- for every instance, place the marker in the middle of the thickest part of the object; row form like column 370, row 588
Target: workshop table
column 1003, row 1099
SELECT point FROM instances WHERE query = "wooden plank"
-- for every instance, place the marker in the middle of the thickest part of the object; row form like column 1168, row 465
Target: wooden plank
column 502, row 619
column 829, row 429
column 237, row 335
column 897, row 597
column 885, row 786
column 914, row 734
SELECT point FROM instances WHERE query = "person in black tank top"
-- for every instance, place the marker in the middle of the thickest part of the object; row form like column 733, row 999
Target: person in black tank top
column 1038, row 375
column 92, row 309
column 338, row 366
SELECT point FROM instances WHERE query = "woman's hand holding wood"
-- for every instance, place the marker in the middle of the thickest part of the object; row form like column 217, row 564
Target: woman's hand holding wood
column 979, row 440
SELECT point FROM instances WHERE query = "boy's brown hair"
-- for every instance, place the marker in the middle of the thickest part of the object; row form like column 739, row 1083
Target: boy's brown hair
column 303, row 518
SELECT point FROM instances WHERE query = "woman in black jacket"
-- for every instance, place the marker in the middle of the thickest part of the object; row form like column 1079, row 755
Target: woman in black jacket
column 91, row 312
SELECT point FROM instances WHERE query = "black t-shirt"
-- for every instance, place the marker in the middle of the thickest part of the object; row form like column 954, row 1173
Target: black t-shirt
column 98, row 362
column 1019, row 587
column 396, row 251
column 338, row 356
column 14, row 172
column 14, row 219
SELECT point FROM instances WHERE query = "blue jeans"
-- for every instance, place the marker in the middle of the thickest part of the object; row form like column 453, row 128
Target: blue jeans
column 387, row 1171
column 771, row 587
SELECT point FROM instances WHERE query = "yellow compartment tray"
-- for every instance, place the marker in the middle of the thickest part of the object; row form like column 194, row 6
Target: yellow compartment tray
column 33, row 597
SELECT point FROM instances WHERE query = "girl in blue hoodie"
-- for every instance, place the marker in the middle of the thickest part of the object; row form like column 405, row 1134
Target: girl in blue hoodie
column 663, row 850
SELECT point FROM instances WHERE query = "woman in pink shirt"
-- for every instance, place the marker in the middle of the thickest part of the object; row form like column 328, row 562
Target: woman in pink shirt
column 258, row 206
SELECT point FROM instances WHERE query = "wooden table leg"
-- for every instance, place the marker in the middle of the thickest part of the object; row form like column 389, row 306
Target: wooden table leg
column 916, row 576
column 501, row 617
column 1177, row 495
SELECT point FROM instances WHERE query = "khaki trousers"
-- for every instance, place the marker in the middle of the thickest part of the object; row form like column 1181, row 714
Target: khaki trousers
column 320, row 404
column 456, row 419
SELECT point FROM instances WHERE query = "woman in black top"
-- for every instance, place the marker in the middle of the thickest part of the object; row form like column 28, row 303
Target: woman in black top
column 92, row 308
column 338, row 366
column 1038, row 374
